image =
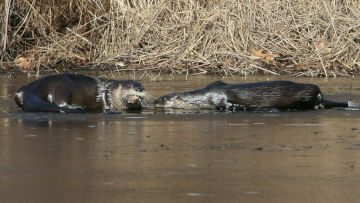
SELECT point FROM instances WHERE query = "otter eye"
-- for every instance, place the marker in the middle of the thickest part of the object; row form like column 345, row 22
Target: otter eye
column 139, row 89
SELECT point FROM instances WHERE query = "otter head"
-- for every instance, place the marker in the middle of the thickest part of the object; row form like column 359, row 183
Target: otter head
column 19, row 98
column 129, row 94
column 319, row 102
column 167, row 101
column 185, row 101
column 211, row 97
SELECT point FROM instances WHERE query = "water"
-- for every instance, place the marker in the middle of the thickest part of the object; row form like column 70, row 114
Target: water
column 181, row 156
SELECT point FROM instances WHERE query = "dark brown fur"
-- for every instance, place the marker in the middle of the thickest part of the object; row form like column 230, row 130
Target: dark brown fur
column 79, row 93
column 253, row 96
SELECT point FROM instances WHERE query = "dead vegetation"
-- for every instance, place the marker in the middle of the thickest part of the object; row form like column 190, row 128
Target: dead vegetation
column 297, row 37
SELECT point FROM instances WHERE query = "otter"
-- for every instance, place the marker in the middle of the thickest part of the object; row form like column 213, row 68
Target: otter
column 71, row 93
column 280, row 95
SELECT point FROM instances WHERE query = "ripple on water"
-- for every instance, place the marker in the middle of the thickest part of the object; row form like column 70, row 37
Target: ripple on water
column 305, row 124
column 135, row 117
column 31, row 135
column 192, row 166
column 252, row 192
column 270, row 115
column 194, row 194
column 239, row 124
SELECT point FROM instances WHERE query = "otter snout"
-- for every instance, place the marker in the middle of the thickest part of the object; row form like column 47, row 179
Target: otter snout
column 161, row 101
column 134, row 102
column 19, row 98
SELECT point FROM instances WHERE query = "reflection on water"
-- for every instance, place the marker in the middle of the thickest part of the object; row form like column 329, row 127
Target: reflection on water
column 183, row 157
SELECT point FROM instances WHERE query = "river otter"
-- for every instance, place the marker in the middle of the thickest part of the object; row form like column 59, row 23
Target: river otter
column 281, row 95
column 72, row 93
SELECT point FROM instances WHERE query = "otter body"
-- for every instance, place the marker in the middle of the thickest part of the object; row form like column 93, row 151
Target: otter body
column 78, row 93
column 280, row 95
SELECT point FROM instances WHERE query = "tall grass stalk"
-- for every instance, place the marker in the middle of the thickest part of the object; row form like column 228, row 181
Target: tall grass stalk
column 4, row 22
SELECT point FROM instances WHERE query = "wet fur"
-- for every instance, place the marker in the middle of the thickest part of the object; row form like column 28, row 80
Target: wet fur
column 252, row 96
column 78, row 93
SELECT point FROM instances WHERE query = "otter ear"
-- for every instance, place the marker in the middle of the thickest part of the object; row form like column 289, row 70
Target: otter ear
column 216, row 84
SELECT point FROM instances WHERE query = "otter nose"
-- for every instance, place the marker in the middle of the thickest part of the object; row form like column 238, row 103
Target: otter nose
column 134, row 102
column 134, row 99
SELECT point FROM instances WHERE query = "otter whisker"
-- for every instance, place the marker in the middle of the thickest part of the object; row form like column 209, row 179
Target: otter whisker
column 147, row 100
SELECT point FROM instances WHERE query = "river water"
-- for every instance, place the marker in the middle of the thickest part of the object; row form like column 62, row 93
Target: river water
column 181, row 156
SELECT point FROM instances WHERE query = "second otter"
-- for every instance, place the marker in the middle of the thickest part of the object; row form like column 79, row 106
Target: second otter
column 280, row 95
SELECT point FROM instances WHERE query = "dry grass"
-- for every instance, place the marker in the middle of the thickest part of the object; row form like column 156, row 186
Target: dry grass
column 299, row 37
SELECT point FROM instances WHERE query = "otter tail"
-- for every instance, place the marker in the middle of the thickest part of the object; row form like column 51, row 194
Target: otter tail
column 349, row 104
column 331, row 104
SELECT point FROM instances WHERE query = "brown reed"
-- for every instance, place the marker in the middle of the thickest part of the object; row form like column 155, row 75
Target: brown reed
column 298, row 37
